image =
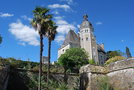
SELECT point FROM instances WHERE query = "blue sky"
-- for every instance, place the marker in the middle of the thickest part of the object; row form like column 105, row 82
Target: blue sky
column 113, row 21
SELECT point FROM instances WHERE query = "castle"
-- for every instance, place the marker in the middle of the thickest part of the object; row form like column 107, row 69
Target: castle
column 84, row 39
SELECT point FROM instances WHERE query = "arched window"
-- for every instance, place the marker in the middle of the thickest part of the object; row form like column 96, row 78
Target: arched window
column 86, row 38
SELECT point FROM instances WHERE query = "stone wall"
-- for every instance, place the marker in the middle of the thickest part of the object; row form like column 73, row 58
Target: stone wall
column 4, row 75
column 118, row 76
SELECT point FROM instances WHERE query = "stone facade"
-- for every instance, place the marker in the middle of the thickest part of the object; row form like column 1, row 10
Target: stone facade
column 119, row 76
column 85, row 39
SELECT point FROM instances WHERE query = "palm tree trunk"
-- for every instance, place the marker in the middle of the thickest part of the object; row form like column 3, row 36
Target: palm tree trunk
column 40, row 66
column 49, row 52
column 65, row 75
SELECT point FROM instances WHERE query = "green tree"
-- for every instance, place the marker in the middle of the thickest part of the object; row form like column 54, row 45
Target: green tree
column 114, row 59
column 0, row 39
column 111, row 54
column 73, row 58
column 51, row 33
column 40, row 22
column 92, row 62
column 128, row 53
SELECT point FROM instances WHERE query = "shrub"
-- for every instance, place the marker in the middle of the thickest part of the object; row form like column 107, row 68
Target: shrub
column 92, row 62
column 73, row 59
column 114, row 59
column 103, row 84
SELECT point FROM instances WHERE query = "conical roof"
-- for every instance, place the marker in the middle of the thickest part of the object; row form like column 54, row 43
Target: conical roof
column 86, row 23
column 71, row 38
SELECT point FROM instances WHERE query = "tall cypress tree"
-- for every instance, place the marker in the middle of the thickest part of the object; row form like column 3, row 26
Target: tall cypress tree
column 128, row 53
column 0, row 39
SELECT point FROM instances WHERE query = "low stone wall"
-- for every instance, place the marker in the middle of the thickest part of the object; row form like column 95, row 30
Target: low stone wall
column 118, row 75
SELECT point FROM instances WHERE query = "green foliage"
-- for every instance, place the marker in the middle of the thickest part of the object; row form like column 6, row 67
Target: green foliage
column 111, row 54
column 73, row 59
column 18, row 63
column 41, row 19
column 29, row 65
column 114, row 59
column 103, row 84
column 92, row 62
column 53, row 85
column 62, row 86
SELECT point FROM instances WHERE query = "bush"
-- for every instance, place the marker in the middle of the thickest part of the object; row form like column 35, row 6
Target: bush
column 73, row 59
column 114, row 59
column 103, row 84
column 92, row 62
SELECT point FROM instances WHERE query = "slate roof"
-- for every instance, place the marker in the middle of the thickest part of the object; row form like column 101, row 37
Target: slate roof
column 71, row 38
column 100, row 49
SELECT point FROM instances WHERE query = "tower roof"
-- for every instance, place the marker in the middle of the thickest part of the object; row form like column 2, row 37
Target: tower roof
column 86, row 23
column 71, row 38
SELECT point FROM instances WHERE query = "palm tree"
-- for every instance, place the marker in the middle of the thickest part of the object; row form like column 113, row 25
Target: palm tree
column 39, row 22
column 51, row 33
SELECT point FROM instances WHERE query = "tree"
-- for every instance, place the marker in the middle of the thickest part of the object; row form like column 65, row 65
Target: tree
column 114, row 59
column 39, row 22
column 73, row 58
column 128, row 53
column 0, row 39
column 111, row 54
column 51, row 33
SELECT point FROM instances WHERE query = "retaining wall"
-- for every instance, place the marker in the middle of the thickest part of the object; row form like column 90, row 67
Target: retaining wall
column 119, row 75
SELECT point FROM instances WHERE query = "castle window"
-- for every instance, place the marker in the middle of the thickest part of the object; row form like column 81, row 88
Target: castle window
column 86, row 30
column 86, row 38
column 63, row 50
column 82, row 39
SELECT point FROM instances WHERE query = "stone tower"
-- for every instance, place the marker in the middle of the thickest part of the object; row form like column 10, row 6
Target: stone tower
column 87, row 39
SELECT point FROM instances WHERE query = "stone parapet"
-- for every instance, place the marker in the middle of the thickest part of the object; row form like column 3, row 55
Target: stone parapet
column 119, row 75
column 93, row 69
column 122, row 64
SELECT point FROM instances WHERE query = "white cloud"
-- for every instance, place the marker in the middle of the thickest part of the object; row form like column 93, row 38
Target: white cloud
column 22, row 43
column 61, row 22
column 122, row 41
column 68, row 1
column 58, row 18
column 78, row 26
column 63, row 28
column 6, row 15
column 99, row 23
column 64, row 6
column 63, row 25
column 60, row 38
column 24, row 33
column 26, row 18
column 56, row 12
